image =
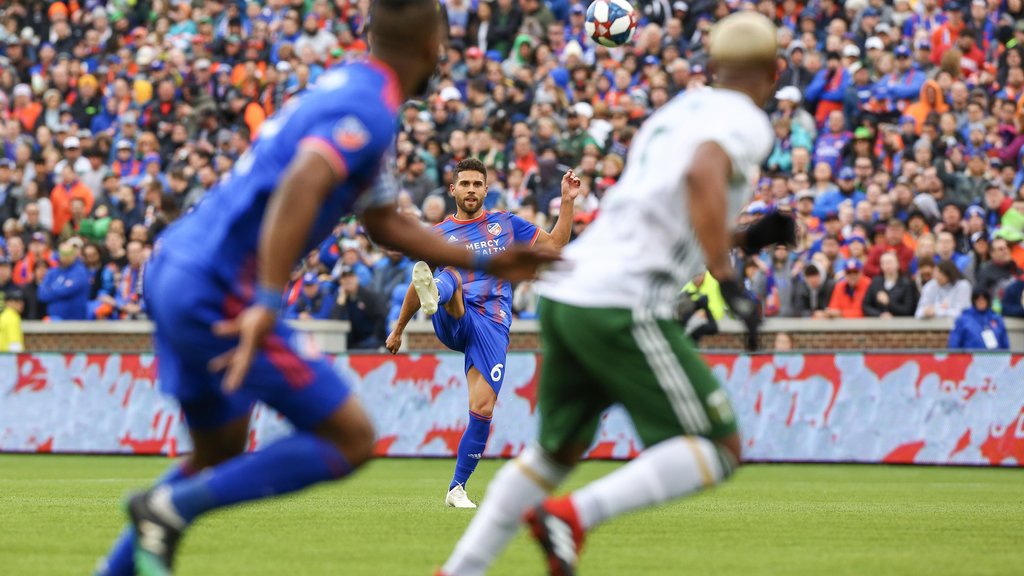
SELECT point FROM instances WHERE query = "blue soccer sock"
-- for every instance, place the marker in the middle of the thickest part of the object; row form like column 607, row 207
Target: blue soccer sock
column 446, row 285
column 288, row 465
column 471, row 448
column 121, row 560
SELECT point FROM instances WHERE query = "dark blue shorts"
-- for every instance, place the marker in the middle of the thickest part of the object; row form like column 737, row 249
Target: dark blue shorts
column 483, row 341
column 288, row 374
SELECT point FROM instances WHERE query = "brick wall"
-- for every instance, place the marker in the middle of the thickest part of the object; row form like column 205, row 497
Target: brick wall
column 92, row 343
column 827, row 341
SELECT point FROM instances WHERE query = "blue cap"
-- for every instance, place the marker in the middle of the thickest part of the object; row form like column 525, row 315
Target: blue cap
column 852, row 265
column 846, row 173
column 872, row 11
column 953, row 6
column 577, row 9
column 975, row 210
column 902, row 51
column 309, row 278
column 853, row 239
column 493, row 55
column 650, row 59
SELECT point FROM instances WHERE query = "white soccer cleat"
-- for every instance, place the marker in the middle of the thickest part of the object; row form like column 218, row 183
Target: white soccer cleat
column 457, row 498
column 423, row 283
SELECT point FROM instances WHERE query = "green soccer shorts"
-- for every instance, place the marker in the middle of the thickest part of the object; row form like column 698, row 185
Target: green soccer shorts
column 596, row 357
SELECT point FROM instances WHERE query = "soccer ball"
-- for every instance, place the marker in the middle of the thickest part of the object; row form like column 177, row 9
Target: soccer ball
column 610, row 22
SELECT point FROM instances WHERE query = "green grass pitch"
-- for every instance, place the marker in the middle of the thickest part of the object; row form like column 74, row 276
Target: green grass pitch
column 58, row 514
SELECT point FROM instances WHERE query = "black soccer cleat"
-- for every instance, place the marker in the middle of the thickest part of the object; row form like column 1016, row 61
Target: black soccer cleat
column 156, row 535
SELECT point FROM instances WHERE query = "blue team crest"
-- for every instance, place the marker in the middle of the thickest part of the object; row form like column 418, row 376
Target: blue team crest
column 494, row 229
column 351, row 134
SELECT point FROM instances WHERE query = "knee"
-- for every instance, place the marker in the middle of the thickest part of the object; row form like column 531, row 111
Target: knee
column 482, row 406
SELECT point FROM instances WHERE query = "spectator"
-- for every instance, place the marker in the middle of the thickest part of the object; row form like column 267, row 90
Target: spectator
column 129, row 287
column 946, row 295
column 12, row 304
column 1012, row 302
column 894, row 231
column 998, row 272
column 890, row 293
column 65, row 289
column 8, row 199
column 360, row 308
column 929, row 102
column 829, row 202
column 314, row 302
column 392, row 270
column 979, row 328
column 981, row 251
column 6, row 276
column 70, row 189
column 945, row 249
column 705, row 285
column 847, row 299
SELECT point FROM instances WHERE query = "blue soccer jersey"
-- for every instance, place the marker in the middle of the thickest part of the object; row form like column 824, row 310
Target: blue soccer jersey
column 349, row 117
column 489, row 233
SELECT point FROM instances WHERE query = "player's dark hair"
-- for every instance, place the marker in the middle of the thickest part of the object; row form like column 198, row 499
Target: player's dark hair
column 392, row 23
column 470, row 164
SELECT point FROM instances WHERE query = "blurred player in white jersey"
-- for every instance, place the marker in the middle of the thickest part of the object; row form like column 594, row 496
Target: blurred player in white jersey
column 606, row 316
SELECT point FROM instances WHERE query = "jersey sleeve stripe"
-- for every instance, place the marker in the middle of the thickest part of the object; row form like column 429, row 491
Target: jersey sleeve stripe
column 328, row 153
column 536, row 234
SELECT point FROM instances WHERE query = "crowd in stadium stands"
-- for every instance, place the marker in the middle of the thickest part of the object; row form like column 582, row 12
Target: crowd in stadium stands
column 900, row 137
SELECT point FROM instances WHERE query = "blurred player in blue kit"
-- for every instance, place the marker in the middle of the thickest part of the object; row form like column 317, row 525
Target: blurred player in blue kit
column 214, row 289
column 472, row 311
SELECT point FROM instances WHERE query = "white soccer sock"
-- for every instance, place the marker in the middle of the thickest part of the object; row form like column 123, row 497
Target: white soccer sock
column 520, row 485
column 665, row 471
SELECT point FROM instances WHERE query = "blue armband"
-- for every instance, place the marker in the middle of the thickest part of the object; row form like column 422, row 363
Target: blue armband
column 480, row 261
column 268, row 298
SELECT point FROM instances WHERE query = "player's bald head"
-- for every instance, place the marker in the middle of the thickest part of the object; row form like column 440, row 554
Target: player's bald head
column 743, row 49
column 403, row 24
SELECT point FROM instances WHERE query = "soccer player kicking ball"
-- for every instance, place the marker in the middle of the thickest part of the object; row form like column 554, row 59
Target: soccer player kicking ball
column 472, row 311
column 606, row 318
column 214, row 288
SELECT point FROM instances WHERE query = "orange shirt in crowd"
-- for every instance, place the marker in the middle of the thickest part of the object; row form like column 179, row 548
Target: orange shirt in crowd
column 850, row 305
column 27, row 115
column 61, row 199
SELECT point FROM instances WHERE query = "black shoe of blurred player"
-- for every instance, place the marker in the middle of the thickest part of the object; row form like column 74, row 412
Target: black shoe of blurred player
column 158, row 529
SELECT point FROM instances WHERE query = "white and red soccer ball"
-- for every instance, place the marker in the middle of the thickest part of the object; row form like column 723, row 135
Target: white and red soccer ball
column 610, row 23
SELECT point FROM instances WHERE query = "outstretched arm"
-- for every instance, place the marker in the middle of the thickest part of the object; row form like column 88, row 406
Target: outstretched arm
column 409, row 307
column 707, row 182
column 560, row 234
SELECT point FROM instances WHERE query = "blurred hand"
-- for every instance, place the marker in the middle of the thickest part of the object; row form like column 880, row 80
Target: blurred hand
column 883, row 298
column 394, row 342
column 743, row 307
column 520, row 263
column 250, row 327
column 570, row 186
